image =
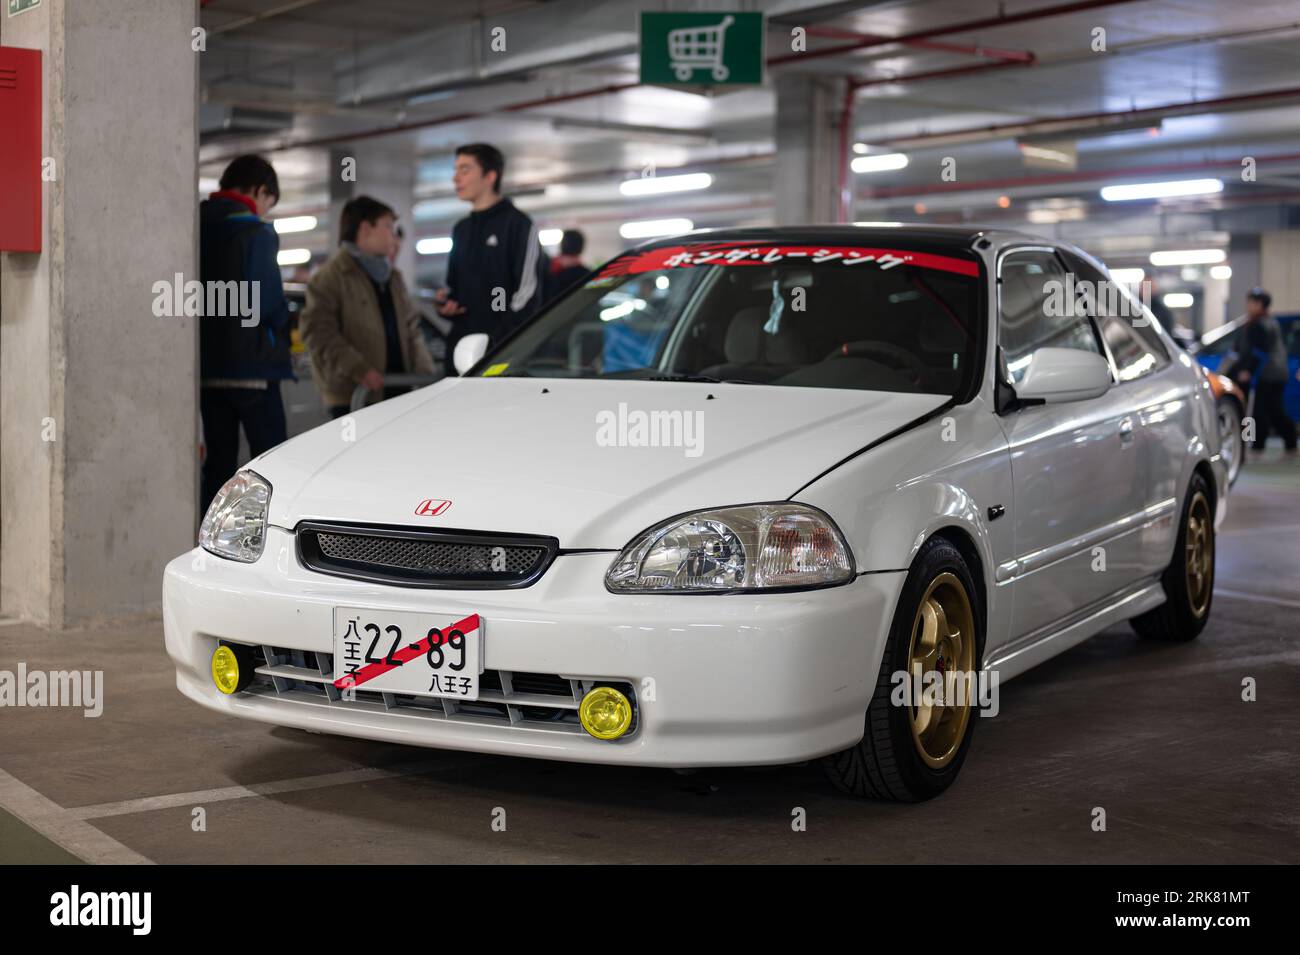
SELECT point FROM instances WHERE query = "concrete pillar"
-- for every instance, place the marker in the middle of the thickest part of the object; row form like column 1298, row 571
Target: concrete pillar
column 98, row 396
column 807, row 168
column 1244, row 257
column 386, row 172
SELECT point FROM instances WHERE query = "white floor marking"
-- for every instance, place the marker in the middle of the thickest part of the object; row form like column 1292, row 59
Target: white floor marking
column 1263, row 598
column 62, row 827
column 204, row 796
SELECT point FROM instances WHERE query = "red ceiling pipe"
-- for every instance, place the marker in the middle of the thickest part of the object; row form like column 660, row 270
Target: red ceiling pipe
column 971, row 48
column 1090, row 175
column 1152, row 111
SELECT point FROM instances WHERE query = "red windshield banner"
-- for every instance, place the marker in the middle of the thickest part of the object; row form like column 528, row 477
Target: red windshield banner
column 687, row 256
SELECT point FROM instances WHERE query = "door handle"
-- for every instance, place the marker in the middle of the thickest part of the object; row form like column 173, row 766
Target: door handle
column 1126, row 432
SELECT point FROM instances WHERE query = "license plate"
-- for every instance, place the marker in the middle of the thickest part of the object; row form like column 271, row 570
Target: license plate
column 425, row 654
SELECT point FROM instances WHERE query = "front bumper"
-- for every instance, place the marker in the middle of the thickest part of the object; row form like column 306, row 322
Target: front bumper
column 740, row 679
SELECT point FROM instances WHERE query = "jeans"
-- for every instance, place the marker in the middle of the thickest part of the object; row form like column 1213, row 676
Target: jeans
column 259, row 411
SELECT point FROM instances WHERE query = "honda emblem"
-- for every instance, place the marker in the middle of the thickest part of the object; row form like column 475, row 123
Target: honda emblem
column 432, row 508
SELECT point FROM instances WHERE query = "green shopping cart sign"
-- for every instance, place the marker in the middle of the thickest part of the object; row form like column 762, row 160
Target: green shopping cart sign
column 705, row 49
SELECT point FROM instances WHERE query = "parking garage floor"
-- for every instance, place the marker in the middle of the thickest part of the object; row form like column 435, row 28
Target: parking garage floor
column 1156, row 735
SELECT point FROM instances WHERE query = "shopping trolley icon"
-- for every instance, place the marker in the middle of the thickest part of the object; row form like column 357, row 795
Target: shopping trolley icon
column 694, row 48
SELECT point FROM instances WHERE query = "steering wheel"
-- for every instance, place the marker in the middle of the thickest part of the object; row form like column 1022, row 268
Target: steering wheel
column 896, row 357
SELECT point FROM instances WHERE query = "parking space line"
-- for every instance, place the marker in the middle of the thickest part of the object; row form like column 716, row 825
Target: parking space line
column 1263, row 598
column 226, row 793
column 62, row 827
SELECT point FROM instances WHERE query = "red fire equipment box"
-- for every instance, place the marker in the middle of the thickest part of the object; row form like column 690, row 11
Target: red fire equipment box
column 20, row 150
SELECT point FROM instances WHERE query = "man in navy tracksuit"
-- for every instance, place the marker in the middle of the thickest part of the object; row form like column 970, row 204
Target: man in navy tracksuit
column 241, row 366
column 495, row 269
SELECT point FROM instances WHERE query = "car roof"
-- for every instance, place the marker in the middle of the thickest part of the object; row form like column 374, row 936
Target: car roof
column 951, row 236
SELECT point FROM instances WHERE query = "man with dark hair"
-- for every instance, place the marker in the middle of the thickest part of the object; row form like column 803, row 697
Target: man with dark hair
column 359, row 324
column 241, row 365
column 566, row 269
column 494, row 271
column 1259, row 354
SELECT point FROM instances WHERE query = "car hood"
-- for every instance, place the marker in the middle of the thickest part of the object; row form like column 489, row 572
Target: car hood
column 563, row 457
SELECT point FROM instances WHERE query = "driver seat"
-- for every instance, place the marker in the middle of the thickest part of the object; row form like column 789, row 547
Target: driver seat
column 755, row 355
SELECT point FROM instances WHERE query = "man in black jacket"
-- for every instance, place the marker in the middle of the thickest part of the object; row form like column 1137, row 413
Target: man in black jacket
column 495, row 270
column 1259, row 353
column 241, row 363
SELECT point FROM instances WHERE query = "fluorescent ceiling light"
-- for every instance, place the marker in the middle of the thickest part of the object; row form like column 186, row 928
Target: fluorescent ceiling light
column 648, row 228
column 656, row 185
column 1178, row 300
column 860, row 148
column 879, row 163
column 1161, row 190
column 293, row 257
column 1221, row 272
column 208, row 186
column 1047, row 154
column 1188, row 257
column 879, row 225
column 550, row 236
column 1128, row 276
column 435, row 245
column 294, row 224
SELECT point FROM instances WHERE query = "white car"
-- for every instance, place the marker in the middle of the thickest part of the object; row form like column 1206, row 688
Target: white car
column 745, row 497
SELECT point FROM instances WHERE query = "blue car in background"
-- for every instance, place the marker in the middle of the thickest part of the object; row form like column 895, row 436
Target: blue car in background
column 1217, row 343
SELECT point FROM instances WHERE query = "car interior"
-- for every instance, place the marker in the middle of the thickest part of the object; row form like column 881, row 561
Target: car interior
column 903, row 330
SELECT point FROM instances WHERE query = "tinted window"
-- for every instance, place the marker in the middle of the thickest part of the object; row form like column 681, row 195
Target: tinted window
column 1034, row 313
column 799, row 316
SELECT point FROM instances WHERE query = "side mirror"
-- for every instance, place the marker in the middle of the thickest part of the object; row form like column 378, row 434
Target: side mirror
column 468, row 351
column 1064, row 374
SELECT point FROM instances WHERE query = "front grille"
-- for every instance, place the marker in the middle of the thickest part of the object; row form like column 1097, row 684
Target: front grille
column 506, row 697
column 423, row 558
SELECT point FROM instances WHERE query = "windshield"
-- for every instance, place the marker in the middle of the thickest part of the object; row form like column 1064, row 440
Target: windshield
column 768, row 314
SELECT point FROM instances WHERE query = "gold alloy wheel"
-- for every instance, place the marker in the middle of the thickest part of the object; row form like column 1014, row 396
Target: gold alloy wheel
column 943, row 643
column 1199, row 563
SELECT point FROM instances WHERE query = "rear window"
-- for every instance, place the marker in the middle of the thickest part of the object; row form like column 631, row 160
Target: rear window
column 833, row 316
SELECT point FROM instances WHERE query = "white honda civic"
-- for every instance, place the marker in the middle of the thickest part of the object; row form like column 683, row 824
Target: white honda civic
column 743, row 497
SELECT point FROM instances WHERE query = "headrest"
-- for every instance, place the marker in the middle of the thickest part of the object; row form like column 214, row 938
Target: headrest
column 748, row 344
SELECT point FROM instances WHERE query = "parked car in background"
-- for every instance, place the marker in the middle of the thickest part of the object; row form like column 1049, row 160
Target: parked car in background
column 1215, row 345
column 851, row 467
column 1230, row 404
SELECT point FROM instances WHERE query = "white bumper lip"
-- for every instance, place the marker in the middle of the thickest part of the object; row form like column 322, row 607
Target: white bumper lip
column 741, row 679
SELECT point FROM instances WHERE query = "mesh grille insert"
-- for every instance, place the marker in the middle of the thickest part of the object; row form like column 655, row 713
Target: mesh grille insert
column 425, row 558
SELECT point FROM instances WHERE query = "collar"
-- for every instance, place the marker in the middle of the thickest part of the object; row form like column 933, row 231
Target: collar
column 500, row 205
column 236, row 197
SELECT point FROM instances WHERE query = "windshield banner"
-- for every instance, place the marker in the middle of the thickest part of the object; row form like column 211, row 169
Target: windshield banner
column 687, row 256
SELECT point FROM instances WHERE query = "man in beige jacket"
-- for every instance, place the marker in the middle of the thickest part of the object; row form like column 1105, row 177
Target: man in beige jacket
column 359, row 324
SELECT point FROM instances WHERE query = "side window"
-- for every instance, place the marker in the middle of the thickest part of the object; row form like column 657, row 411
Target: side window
column 1130, row 333
column 1034, row 313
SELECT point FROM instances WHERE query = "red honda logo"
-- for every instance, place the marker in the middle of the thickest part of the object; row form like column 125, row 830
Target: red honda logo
column 432, row 508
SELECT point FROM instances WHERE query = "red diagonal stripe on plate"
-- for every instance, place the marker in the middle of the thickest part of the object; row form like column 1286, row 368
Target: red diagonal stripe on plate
column 407, row 652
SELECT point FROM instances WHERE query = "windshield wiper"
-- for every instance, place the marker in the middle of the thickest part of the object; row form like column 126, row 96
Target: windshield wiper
column 701, row 378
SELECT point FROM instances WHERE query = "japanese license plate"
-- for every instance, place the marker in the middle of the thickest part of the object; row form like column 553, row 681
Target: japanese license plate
column 425, row 654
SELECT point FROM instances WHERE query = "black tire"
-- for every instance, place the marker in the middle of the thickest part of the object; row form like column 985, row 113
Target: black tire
column 1186, row 608
column 887, row 763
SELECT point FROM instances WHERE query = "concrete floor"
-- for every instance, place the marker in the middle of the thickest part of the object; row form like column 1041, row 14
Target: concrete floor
column 1156, row 735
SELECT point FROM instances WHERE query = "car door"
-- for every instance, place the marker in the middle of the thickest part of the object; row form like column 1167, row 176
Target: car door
column 1073, row 464
column 1158, row 402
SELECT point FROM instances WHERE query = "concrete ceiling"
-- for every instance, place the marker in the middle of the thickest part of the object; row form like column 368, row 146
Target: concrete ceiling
column 1194, row 85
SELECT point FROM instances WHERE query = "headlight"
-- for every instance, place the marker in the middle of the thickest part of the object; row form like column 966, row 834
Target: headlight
column 756, row 547
column 235, row 525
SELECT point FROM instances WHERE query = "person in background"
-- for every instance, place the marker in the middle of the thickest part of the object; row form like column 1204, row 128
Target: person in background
column 399, row 236
column 494, row 270
column 359, row 324
column 566, row 269
column 1259, row 354
column 241, row 367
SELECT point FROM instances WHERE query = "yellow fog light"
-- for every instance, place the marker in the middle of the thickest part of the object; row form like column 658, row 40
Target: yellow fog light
column 225, row 670
column 605, row 713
